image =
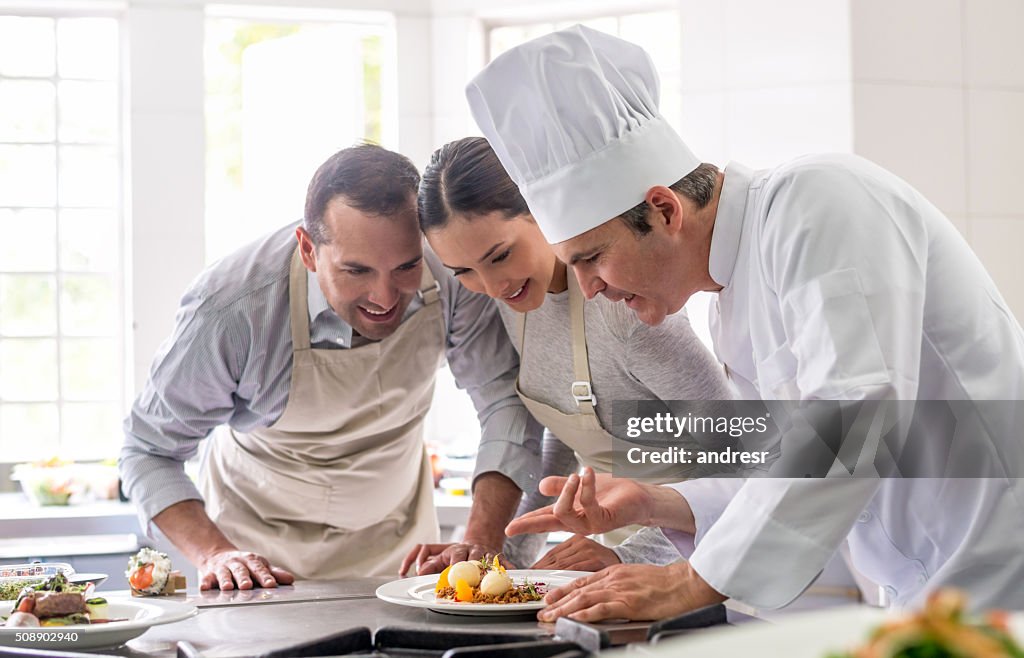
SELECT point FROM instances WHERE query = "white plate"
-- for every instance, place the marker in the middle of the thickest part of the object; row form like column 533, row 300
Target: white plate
column 800, row 635
column 418, row 592
column 140, row 614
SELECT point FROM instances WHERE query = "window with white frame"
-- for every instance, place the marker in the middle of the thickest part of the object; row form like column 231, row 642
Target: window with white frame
column 282, row 95
column 61, row 293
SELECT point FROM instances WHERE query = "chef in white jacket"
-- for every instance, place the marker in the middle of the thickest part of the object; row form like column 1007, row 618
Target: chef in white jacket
column 836, row 281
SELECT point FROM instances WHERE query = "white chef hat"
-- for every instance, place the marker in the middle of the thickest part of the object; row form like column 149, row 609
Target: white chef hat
column 573, row 117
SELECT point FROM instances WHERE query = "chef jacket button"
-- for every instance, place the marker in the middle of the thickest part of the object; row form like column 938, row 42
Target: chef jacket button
column 864, row 517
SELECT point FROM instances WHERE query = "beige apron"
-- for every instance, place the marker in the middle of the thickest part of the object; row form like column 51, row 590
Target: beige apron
column 340, row 486
column 581, row 431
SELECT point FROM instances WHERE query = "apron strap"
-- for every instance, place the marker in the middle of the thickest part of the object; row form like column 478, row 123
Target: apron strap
column 430, row 289
column 582, row 390
column 298, row 308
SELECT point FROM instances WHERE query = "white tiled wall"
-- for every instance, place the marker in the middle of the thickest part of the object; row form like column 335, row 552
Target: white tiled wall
column 939, row 100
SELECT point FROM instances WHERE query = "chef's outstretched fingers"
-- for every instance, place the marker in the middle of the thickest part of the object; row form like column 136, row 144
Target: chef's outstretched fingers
column 565, row 506
column 281, row 576
column 539, row 520
column 552, row 485
column 588, row 494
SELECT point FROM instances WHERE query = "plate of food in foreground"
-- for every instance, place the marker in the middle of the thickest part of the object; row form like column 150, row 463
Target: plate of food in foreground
column 478, row 588
column 943, row 628
column 57, row 614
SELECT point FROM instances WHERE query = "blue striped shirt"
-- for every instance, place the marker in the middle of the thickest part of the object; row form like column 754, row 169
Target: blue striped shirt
column 229, row 361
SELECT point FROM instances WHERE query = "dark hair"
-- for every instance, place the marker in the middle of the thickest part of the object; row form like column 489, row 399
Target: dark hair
column 466, row 177
column 697, row 186
column 371, row 178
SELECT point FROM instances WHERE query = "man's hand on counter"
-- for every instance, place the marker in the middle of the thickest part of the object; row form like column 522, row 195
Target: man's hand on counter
column 578, row 553
column 220, row 563
column 229, row 569
column 495, row 498
column 631, row 591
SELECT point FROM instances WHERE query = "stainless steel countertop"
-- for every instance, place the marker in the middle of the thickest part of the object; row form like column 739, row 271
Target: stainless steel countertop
column 246, row 623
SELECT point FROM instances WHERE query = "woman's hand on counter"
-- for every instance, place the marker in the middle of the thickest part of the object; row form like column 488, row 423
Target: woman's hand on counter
column 232, row 569
column 433, row 558
column 578, row 553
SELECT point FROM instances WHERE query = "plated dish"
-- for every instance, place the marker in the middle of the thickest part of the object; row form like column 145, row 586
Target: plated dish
column 138, row 616
column 423, row 592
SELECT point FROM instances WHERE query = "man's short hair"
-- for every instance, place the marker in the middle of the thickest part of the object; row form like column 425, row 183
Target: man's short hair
column 697, row 186
column 370, row 178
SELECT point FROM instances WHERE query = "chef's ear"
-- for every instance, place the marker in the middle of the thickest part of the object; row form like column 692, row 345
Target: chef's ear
column 307, row 249
column 666, row 208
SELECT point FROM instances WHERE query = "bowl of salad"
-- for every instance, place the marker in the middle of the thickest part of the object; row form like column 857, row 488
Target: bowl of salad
column 49, row 482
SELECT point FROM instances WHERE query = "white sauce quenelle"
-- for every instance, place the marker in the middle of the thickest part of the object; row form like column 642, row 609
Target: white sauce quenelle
column 467, row 571
column 495, row 583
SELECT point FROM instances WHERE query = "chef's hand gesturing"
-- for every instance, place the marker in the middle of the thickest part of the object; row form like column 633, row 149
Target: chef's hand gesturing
column 578, row 553
column 231, row 569
column 433, row 558
column 631, row 591
column 588, row 504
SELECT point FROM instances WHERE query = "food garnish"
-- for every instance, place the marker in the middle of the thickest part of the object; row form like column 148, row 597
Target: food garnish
column 941, row 630
column 149, row 574
column 484, row 581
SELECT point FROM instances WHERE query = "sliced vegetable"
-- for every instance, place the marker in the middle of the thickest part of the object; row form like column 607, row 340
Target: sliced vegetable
column 142, row 577
column 463, row 592
column 442, row 580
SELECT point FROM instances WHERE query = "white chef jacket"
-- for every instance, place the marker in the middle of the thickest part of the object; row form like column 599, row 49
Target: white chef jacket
column 840, row 281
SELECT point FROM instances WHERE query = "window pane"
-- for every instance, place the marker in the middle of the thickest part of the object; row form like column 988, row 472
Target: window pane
column 27, row 111
column 27, row 305
column 22, row 232
column 88, row 176
column 90, row 369
column 503, row 38
column 28, row 369
column 26, row 46
column 28, row 431
column 88, row 111
column 91, row 431
column 88, row 48
column 659, row 33
column 89, row 240
column 88, row 306
column 609, row 24
column 27, row 176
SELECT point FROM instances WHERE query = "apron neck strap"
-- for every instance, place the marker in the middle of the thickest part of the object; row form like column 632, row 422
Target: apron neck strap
column 430, row 289
column 298, row 306
column 581, row 389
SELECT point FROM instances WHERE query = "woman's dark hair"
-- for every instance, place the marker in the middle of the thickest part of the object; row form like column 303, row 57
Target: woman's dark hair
column 466, row 177
column 371, row 178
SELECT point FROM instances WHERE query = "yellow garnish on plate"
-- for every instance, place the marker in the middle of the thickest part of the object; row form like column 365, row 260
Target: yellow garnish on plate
column 463, row 592
column 497, row 565
column 442, row 580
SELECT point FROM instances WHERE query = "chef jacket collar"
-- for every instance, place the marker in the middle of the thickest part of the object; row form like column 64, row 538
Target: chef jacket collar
column 317, row 305
column 725, row 236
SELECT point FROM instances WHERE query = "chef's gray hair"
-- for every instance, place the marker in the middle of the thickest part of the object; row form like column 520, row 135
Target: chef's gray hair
column 371, row 178
column 697, row 186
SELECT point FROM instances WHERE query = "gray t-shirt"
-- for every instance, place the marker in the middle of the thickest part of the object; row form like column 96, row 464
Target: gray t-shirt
column 629, row 360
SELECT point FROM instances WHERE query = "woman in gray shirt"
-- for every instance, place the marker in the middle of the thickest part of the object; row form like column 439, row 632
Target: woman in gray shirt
column 573, row 352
